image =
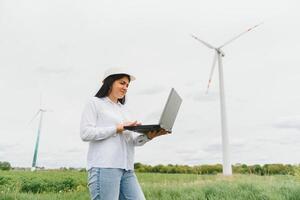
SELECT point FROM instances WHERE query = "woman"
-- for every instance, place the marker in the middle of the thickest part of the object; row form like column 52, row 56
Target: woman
column 110, row 159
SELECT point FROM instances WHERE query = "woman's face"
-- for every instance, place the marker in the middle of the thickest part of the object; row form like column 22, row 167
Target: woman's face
column 119, row 87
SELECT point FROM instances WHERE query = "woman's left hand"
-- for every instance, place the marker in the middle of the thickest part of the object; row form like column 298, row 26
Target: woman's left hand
column 153, row 134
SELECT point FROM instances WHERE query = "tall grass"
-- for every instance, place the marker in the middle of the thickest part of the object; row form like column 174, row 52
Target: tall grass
column 59, row 185
column 216, row 187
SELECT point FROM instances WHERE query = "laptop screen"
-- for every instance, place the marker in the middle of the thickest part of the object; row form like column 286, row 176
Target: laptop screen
column 170, row 111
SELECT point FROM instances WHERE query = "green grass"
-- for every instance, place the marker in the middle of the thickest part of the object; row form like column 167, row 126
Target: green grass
column 63, row 185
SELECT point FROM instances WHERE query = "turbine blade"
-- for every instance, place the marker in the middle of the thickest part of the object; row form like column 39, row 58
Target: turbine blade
column 34, row 116
column 205, row 43
column 236, row 37
column 212, row 71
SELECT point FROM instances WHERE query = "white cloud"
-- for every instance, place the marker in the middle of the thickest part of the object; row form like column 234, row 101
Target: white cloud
column 292, row 122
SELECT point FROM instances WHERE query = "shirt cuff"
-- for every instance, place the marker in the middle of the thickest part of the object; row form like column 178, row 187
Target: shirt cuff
column 142, row 139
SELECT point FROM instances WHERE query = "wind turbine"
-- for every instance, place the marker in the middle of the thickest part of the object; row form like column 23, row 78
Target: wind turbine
column 227, row 170
column 40, row 112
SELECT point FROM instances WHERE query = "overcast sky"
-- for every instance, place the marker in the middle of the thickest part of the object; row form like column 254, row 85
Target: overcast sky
column 61, row 48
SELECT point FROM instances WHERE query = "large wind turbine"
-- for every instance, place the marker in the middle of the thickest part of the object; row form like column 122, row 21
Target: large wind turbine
column 40, row 112
column 227, row 170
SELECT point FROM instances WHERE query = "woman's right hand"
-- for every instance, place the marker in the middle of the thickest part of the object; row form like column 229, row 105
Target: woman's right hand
column 120, row 127
column 153, row 134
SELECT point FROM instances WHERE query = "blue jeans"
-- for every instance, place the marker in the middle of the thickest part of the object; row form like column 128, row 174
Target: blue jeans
column 114, row 184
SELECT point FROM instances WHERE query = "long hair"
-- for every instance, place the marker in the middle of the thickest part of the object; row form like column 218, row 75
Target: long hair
column 107, row 85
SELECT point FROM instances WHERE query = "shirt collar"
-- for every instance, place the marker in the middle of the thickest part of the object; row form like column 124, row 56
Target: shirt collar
column 110, row 101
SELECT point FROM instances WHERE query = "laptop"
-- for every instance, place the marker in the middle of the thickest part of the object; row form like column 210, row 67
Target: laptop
column 167, row 117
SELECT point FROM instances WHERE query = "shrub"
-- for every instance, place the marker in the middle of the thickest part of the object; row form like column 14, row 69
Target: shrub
column 33, row 185
column 211, row 169
column 37, row 185
column 65, row 185
column 4, row 180
column 5, row 166
column 271, row 169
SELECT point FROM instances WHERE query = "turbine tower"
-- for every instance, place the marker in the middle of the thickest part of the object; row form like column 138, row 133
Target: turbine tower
column 40, row 112
column 227, row 170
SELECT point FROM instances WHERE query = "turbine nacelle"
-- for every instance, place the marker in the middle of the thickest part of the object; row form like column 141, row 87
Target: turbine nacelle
column 220, row 52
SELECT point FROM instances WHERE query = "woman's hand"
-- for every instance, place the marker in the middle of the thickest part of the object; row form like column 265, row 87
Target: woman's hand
column 120, row 127
column 153, row 134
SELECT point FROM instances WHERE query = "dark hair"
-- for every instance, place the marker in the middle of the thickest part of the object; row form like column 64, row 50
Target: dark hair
column 107, row 84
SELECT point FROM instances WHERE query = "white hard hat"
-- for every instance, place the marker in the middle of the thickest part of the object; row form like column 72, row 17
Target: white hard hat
column 116, row 70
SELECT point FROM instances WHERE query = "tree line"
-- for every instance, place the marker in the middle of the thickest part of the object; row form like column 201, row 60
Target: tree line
column 267, row 169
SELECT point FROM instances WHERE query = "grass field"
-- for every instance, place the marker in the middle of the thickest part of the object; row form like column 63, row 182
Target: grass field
column 63, row 185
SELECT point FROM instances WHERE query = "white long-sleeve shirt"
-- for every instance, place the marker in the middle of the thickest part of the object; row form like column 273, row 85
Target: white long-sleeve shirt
column 107, row 148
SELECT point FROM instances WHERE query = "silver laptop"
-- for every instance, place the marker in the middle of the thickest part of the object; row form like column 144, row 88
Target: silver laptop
column 167, row 117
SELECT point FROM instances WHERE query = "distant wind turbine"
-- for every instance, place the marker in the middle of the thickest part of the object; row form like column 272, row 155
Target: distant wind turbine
column 40, row 112
column 227, row 170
